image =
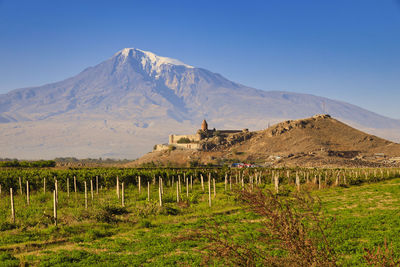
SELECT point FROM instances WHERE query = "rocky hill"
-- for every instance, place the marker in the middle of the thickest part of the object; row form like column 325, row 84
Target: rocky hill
column 317, row 141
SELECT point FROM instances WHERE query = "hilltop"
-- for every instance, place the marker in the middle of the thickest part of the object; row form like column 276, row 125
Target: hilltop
column 317, row 141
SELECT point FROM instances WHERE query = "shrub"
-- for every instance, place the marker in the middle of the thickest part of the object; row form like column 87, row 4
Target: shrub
column 293, row 233
column 108, row 213
column 184, row 140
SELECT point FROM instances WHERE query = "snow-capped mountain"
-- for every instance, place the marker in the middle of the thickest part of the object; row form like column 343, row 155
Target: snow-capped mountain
column 124, row 105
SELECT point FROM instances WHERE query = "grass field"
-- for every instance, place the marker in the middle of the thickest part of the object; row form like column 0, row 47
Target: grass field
column 143, row 233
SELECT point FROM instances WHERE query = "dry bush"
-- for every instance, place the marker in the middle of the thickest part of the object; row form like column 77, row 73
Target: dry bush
column 382, row 256
column 293, row 233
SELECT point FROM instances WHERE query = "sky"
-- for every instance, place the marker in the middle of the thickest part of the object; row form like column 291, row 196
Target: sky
column 346, row 50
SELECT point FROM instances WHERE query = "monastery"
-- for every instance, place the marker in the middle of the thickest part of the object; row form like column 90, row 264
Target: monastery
column 193, row 141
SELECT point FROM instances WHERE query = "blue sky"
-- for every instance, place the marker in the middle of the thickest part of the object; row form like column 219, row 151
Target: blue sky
column 347, row 50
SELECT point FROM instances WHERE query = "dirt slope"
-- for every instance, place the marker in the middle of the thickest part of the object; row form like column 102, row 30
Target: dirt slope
column 316, row 141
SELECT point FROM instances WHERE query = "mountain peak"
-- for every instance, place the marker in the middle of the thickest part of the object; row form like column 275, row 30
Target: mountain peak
column 150, row 59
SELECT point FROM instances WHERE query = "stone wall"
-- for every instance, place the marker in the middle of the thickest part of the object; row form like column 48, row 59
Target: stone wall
column 162, row 147
column 173, row 138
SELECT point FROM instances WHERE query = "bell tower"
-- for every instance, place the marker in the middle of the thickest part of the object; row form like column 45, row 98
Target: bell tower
column 204, row 126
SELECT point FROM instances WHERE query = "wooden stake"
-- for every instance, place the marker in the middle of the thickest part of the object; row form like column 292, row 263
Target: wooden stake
column 202, row 182
column 27, row 192
column 75, row 184
column 319, row 182
column 68, row 186
column 118, row 187
column 20, row 185
column 148, row 191
column 298, row 181
column 12, row 206
column 187, row 187
column 276, row 182
column 230, row 182
column 179, row 182
column 44, row 185
column 209, row 190
column 86, row 202
column 55, row 207
column 91, row 188
column 56, row 188
column 123, row 195
column 159, row 193
column 215, row 191
column 97, row 185
column 226, row 180
column 139, row 185
column 177, row 193
column 162, row 186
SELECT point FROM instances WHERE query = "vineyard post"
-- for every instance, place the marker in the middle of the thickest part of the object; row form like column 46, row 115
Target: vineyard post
column 91, row 188
column 215, row 191
column 337, row 180
column 44, row 185
column 276, row 182
column 97, row 185
column 68, row 186
column 242, row 181
column 177, row 193
column 12, row 206
column 55, row 207
column 191, row 182
column 184, row 178
column 117, row 187
column 209, row 190
column 187, row 187
column 162, row 185
column 159, row 192
column 230, row 183
column 75, row 184
column 298, row 181
column 148, row 191
column 56, row 188
column 319, row 182
column 226, row 180
column 139, row 185
column 179, row 182
column 27, row 192
column 20, row 185
column 202, row 182
column 86, row 201
column 123, row 195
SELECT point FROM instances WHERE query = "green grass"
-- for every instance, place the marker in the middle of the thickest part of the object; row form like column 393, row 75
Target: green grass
column 143, row 234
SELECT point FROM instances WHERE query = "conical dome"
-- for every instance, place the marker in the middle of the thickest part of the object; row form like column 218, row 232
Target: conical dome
column 204, row 126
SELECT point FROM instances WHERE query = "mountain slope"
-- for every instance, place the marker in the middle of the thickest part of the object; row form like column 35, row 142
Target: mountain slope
column 136, row 98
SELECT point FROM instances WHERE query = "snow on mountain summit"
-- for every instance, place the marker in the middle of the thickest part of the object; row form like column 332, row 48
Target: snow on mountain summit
column 149, row 59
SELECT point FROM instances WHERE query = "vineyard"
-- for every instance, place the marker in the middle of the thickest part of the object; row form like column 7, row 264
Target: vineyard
column 112, row 216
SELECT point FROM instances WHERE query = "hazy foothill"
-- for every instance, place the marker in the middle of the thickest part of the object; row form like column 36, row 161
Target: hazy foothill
column 132, row 157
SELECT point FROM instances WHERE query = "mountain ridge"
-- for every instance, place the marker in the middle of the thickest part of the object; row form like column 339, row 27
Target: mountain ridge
column 152, row 100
